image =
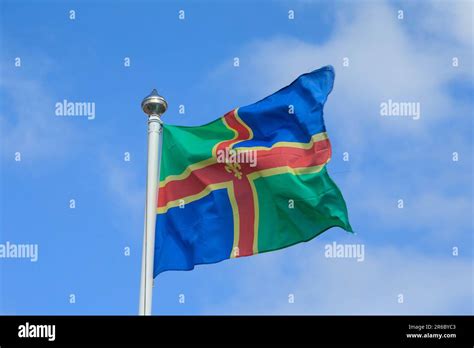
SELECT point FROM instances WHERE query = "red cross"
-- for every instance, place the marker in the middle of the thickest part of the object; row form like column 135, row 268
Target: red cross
column 238, row 179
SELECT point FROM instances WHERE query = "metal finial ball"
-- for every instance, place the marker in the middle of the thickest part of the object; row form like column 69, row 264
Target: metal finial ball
column 154, row 104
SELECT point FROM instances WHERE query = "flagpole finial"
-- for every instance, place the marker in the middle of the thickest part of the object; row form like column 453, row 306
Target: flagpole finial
column 154, row 104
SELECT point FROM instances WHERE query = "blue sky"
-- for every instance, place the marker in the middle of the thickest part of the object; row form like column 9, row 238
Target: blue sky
column 408, row 251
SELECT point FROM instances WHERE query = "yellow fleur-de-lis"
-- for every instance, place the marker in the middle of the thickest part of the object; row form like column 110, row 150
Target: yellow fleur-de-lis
column 234, row 168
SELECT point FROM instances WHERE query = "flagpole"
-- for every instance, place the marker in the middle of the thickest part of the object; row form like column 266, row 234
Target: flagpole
column 154, row 106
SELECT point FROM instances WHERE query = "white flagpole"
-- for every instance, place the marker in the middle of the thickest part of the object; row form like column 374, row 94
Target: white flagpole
column 154, row 106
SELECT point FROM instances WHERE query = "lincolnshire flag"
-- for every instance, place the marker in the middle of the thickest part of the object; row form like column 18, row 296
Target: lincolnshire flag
column 252, row 181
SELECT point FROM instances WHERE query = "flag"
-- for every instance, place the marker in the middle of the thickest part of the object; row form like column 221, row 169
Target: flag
column 252, row 181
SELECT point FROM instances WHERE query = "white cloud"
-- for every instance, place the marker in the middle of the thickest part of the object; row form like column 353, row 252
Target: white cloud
column 448, row 21
column 124, row 186
column 430, row 285
column 28, row 123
